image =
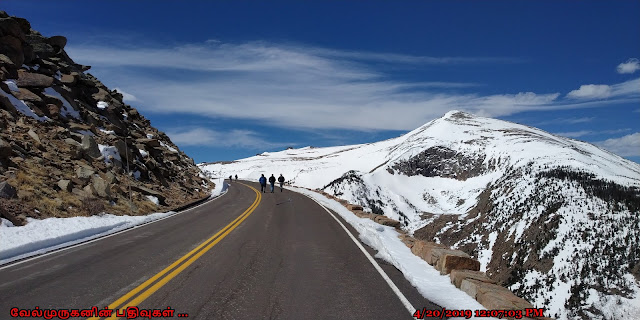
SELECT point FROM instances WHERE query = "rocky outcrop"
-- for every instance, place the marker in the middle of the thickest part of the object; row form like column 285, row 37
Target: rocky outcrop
column 70, row 146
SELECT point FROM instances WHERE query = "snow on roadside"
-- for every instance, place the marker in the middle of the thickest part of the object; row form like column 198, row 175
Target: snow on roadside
column 433, row 286
column 220, row 188
column 41, row 236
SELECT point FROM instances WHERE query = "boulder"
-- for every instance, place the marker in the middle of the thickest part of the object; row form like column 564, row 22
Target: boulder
column 151, row 143
column 34, row 136
column 449, row 262
column 89, row 191
column 423, row 249
column 41, row 49
column 496, row 299
column 68, row 79
column 5, row 149
column 110, row 178
column 17, row 220
column 25, row 26
column 90, row 147
column 354, row 207
column 84, row 173
column 6, row 105
column 101, row 95
column 407, row 240
column 7, row 191
column 458, row 275
column 57, row 41
column 12, row 48
column 10, row 26
column 101, row 187
column 386, row 221
column 65, row 185
column 29, row 79
column 9, row 67
column 53, row 111
column 474, row 287
column 25, row 94
column 438, row 253
column 72, row 142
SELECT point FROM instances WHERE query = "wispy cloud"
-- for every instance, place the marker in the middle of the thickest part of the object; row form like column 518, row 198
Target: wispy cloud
column 572, row 120
column 626, row 146
column 198, row 136
column 306, row 87
column 632, row 65
column 582, row 133
column 575, row 134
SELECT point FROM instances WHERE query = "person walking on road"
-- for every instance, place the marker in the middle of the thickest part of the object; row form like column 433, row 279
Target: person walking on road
column 272, row 181
column 263, row 183
column 236, row 177
column 281, row 180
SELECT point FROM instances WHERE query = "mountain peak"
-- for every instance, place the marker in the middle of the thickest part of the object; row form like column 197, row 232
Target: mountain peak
column 457, row 114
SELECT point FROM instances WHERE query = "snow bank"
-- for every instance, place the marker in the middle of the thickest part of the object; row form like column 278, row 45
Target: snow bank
column 220, row 188
column 41, row 236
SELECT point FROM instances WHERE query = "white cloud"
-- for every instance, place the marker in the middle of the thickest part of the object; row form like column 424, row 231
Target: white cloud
column 300, row 87
column 591, row 91
column 234, row 138
column 626, row 146
column 632, row 65
column 127, row 97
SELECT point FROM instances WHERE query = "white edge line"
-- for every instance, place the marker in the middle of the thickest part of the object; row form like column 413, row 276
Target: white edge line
column 13, row 264
column 384, row 275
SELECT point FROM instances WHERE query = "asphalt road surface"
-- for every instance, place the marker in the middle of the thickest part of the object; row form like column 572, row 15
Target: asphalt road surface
column 245, row 255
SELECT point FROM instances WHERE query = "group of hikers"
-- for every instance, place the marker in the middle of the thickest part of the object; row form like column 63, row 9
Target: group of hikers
column 272, row 181
column 263, row 182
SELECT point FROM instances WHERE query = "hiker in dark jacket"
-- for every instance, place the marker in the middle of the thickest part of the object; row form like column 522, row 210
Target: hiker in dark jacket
column 281, row 180
column 272, row 181
column 263, row 183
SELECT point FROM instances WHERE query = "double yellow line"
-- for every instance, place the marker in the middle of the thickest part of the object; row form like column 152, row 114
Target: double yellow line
column 143, row 291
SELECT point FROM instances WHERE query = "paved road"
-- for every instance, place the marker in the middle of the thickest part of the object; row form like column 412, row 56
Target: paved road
column 245, row 255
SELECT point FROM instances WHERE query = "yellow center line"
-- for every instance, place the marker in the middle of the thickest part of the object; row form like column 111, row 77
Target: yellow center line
column 190, row 257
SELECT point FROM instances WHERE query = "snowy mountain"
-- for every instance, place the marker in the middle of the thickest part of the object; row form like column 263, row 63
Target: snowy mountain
column 554, row 219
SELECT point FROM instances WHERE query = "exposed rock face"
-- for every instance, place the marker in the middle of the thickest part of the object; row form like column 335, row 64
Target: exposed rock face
column 441, row 162
column 70, row 146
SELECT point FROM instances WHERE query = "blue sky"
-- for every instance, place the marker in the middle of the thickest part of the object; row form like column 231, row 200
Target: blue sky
column 230, row 79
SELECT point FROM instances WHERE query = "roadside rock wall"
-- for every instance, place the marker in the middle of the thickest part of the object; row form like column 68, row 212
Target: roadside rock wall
column 70, row 146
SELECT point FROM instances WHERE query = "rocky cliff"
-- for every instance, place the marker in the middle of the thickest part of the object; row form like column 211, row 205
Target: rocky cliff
column 70, row 146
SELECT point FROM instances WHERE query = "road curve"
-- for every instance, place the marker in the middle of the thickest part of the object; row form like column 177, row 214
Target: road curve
column 244, row 255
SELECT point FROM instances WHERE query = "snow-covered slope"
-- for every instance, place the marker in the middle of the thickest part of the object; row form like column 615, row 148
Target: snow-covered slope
column 555, row 219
